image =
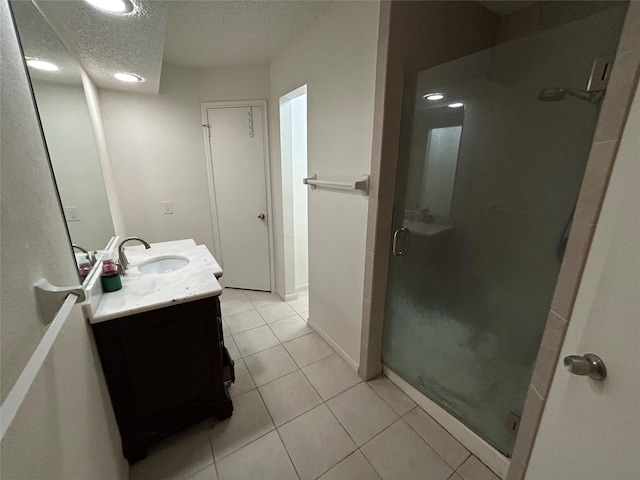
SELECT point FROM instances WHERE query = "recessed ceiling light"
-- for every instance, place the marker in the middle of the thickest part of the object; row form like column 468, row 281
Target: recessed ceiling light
column 128, row 77
column 113, row 6
column 456, row 105
column 432, row 97
column 42, row 65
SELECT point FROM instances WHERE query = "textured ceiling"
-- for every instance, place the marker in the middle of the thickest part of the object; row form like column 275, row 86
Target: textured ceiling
column 39, row 41
column 213, row 33
column 107, row 43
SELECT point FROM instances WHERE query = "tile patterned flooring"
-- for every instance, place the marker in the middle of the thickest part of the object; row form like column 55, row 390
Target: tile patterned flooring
column 300, row 412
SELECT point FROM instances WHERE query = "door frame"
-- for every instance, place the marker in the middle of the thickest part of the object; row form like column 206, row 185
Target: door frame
column 204, row 106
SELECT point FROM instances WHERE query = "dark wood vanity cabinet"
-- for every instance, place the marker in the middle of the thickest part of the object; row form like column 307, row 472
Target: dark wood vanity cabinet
column 166, row 370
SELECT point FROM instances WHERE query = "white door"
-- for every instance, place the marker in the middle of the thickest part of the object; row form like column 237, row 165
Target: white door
column 590, row 429
column 238, row 160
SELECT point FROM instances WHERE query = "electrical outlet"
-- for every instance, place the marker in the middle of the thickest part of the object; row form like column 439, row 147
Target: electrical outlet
column 71, row 214
column 168, row 206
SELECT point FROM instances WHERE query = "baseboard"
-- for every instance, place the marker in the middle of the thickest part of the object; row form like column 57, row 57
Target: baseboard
column 302, row 288
column 289, row 297
column 339, row 351
column 471, row 441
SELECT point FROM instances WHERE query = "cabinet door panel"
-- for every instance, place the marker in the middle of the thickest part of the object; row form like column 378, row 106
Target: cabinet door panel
column 168, row 365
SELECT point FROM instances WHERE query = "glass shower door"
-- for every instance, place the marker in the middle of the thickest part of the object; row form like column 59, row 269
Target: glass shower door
column 489, row 171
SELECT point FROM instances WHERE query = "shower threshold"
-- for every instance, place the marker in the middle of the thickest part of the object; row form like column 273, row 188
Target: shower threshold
column 488, row 455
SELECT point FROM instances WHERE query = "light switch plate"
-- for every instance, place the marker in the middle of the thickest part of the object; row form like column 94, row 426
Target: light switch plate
column 168, row 206
column 71, row 213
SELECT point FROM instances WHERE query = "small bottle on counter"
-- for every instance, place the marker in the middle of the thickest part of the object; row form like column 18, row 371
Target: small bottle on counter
column 110, row 277
column 84, row 265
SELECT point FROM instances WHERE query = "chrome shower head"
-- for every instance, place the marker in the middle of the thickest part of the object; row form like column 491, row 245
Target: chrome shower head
column 551, row 94
column 556, row 94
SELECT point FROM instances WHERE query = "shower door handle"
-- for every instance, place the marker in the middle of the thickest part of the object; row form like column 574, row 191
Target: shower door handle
column 395, row 248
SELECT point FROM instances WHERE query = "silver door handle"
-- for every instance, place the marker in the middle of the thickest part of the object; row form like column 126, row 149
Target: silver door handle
column 395, row 250
column 587, row 364
column 261, row 216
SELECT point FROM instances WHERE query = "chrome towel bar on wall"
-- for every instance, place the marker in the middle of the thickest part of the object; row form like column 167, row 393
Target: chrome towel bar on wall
column 361, row 185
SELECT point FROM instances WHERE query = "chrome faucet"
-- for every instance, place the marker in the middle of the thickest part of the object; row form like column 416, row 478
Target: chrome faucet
column 124, row 263
column 90, row 257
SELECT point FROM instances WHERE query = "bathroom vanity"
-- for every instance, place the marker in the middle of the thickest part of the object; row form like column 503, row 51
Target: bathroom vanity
column 161, row 346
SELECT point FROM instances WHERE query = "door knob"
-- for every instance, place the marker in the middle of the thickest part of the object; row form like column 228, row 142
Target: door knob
column 261, row 216
column 587, row 364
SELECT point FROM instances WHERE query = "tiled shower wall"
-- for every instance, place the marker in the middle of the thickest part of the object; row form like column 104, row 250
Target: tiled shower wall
column 402, row 50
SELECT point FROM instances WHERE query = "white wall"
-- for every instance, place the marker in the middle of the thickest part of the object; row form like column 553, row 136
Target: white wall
column 65, row 428
column 246, row 82
column 300, row 199
column 336, row 58
column 156, row 145
column 95, row 114
column 72, row 149
column 157, row 153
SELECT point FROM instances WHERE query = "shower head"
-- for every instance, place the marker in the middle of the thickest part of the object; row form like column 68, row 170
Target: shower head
column 551, row 94
column 556, row 94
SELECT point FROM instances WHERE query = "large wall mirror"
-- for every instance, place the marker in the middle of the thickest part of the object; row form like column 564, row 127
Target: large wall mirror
column 61, row 103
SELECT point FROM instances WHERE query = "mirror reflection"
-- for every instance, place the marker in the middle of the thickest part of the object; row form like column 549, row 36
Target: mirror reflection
column 61, row 103
column 433, row 163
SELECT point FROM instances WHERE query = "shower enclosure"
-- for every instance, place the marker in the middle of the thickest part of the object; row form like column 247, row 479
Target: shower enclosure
column 493, row 150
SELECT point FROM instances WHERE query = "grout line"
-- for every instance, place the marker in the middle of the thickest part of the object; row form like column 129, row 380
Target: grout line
column 336, row 394
column 367, row 460
column 432, row 447
column 276, row 429
column 252, row 441
column 287, row 452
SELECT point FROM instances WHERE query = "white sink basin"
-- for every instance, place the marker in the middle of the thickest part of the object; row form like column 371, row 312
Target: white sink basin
column 166, row 264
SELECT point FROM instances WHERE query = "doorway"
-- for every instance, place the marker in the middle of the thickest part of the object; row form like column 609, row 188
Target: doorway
column 236, row 146
column 293, row 142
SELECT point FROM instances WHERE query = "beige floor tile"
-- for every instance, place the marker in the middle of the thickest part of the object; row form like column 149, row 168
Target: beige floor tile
column 241, row 322
column 234, row 305
column 308, row 349
column 474, row 469
column 362, row 413
column 270, row 365
column 290, row 328
column 250, row 420
column 300, row 304
column 354, row 467
column 398, row 453
column 179, row 456
column 262, row 299
column 437, row 437
column 256, row 340
column 391, row 394
column 315, row 442
column 232, row 348
column 288, row 397
column 455, row 476
column 277, row 311
column 229, row 293
column 208, row 473
column 331, row 376
column 243, row 382
column 263, row 459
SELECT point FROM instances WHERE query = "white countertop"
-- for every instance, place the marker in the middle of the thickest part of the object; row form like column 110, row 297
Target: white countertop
column 143, row 292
